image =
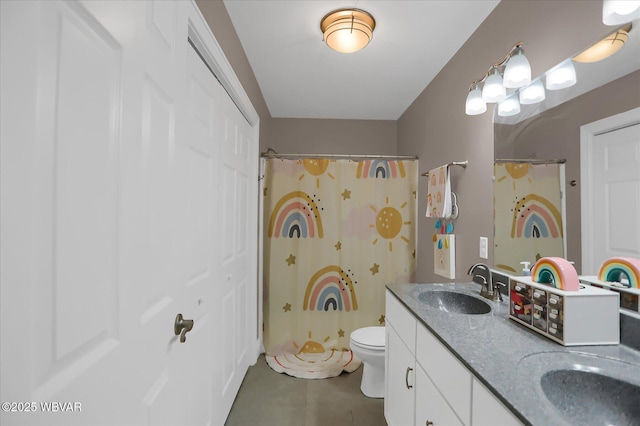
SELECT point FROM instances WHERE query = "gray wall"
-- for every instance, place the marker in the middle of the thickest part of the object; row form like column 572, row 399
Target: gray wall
column 319, row 136
column 436, row 128
column 556, row 134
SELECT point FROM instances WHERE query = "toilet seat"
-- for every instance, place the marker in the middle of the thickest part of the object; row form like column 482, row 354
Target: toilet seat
column 369, row 338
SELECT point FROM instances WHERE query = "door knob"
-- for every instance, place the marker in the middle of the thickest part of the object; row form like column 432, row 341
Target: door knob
column 182, row 327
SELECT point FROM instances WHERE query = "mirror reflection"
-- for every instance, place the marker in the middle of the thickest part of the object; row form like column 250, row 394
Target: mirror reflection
column 537, row 179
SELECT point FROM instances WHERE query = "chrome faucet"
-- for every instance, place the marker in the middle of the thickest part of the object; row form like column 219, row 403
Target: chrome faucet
column 481, row 274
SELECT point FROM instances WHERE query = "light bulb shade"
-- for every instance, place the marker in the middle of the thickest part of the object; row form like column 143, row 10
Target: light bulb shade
column 532, row 94
column 616, row 12
column 475, row 104
column 517, row 73
column 562, row 76
column 347, row 30
column 605, row 47
column 509, row 107
column 493, row 89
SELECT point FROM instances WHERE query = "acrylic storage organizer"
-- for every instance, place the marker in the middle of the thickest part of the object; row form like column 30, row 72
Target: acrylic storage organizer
column 588, row 316
column 629, row 297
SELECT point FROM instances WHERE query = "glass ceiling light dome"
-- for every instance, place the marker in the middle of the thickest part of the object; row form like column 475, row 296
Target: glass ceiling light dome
column 347, row 30
column 605, row 47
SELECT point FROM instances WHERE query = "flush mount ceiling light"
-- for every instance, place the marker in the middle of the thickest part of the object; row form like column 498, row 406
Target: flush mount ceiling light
column 517, row 73
column 605, row 47
column 347, row 30
column 616, row 12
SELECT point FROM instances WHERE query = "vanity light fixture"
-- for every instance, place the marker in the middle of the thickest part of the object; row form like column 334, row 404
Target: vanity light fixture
column 618, row 12
column 475, row 104
column 561, row 76
column 605, row 47
column 509, row 106
column 533, row 93
column 517, row 73
column 347, row 30
column 494, row 90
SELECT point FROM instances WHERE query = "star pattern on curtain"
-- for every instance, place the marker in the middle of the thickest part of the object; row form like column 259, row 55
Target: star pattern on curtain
column 325, row 228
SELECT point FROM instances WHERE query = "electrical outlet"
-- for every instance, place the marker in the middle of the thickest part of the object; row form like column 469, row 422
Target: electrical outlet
column 484, row 248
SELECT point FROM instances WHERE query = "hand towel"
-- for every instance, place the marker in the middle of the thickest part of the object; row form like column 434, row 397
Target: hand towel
column 439, row 193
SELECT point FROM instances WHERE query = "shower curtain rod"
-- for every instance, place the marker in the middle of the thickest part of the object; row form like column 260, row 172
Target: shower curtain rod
column 462, row 164
column 530, row 161
column 273, row 154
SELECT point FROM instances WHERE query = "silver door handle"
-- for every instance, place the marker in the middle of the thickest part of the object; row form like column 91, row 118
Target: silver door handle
column 182, row 327
column 406, row 378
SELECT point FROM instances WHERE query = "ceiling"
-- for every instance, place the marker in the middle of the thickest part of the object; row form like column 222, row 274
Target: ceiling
column 300, row 77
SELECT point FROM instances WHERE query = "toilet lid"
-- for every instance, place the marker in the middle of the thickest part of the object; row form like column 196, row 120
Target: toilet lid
column 369, row 336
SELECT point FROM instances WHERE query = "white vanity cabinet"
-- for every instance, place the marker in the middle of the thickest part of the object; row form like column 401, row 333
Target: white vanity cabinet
column 431, row 407
column 400, row 362
column 426, row 384
column 449, row 376
column 488, row 410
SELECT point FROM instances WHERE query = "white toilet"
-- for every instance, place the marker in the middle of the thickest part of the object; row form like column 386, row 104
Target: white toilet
column 368, row 344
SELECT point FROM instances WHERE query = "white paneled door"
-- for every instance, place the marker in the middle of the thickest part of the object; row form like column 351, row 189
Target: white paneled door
column 223, row 183
column 129, row 192
column 610, row 168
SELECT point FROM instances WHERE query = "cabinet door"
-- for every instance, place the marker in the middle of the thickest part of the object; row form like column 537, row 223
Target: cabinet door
column 449, row 375
column 431, row 407
column 400, row 381
column 487, row 410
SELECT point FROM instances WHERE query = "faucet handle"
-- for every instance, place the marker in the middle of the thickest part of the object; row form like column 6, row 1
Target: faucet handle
column 497, row 296
column 484, row 292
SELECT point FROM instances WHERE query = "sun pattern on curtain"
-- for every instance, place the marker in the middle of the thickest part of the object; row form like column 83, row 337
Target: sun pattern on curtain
column 528, row 214
column 335, row 233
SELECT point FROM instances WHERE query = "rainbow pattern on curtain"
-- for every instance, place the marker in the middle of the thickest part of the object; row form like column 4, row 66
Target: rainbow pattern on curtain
column 336, row 232
column 528, row 207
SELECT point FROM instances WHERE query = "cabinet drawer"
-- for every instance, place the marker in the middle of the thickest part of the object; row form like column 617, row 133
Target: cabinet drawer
column 449, row 375
column 403, row 322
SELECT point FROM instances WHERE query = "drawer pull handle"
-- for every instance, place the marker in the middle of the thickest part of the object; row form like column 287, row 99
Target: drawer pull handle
column 429, row 423
column 406, row 378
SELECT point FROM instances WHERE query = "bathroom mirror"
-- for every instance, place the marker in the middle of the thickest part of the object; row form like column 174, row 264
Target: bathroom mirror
column 551, row 130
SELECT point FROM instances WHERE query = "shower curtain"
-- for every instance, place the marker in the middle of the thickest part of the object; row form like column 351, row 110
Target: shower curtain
column 528, row 210
column 335, row 233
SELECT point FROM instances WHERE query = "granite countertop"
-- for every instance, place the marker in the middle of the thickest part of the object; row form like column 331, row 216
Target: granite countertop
column 510, row 358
